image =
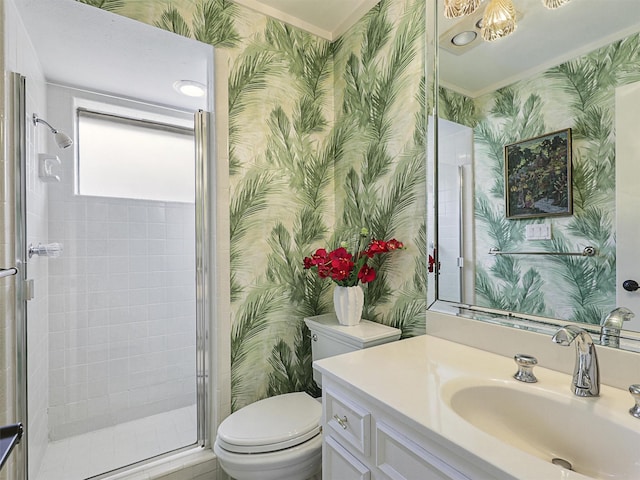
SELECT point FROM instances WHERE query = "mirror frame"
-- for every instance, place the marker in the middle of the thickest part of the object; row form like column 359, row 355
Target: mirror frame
column 629, row 340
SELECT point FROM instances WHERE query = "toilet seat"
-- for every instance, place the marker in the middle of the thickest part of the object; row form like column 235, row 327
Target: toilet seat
column 272, row 424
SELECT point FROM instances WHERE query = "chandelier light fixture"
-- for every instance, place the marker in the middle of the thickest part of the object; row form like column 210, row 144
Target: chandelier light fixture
column 551, row 4
column 499, row 20
column 499, row 17
column 460, row 8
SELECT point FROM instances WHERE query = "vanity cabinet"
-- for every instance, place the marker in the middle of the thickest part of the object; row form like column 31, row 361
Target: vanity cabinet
column 338, row 463
column 425, row 408
column 366, row 441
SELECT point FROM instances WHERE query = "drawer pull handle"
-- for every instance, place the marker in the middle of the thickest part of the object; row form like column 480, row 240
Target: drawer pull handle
column 341, row 421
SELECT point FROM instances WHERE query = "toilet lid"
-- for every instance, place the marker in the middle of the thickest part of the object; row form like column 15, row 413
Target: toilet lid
column 271, row 424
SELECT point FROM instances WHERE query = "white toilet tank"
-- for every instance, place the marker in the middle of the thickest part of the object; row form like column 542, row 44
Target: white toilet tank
column 329, row 338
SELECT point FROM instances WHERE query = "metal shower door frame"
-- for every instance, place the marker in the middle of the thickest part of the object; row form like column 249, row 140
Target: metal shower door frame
column 203, row 262
column 16, row 139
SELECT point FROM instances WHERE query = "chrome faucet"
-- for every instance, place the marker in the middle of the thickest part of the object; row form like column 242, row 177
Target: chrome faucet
column 612, row 324
column 586, row 375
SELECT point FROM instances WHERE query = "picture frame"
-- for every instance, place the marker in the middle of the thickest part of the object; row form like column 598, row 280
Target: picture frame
column 537, row 176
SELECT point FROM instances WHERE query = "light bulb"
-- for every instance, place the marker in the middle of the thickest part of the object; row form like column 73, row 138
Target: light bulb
column 464, row 38
column 190, row 88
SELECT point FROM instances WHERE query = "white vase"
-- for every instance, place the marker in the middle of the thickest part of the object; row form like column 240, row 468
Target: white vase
column 348, row 303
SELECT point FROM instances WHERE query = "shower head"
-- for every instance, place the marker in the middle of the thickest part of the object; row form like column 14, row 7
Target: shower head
column 62, row 139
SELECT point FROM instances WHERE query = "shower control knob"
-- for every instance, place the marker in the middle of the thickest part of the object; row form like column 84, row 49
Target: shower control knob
column 630, row 285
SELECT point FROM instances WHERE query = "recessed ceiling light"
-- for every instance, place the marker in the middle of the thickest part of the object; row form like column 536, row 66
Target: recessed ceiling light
column 190, row 88
column 464, row 38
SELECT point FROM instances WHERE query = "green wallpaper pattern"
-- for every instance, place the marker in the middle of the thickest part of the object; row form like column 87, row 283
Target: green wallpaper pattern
column 578, row 94
column 324, row 138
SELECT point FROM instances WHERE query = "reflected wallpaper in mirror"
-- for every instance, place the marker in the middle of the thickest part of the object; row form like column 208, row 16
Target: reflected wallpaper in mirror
column 578, row 94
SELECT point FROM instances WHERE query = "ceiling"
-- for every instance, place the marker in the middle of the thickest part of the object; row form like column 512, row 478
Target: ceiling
column 325, row 18
column 83, row 46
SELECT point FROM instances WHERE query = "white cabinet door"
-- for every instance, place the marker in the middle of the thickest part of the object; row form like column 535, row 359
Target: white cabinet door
column 339, row 464
column 402, row 459
column 348, row 421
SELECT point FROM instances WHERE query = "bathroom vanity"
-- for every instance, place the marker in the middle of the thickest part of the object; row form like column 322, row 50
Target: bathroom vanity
column 364, row 440
column 427, row 407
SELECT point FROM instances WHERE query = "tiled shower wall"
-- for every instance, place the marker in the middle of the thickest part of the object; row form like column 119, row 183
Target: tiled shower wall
column 122, row 311
column 121, row 307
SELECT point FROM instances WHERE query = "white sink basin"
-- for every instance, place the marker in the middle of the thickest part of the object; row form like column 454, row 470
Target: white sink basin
column 595, row 435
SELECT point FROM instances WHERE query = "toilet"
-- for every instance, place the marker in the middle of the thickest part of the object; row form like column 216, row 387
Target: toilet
column 279, row 438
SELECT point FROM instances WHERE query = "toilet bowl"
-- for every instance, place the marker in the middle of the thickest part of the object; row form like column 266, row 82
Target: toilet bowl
column 277, row 438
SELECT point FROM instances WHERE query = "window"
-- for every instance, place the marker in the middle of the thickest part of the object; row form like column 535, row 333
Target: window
column 130, row 158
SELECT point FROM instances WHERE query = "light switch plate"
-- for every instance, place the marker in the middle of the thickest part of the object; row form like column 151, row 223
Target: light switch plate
column 538, row 231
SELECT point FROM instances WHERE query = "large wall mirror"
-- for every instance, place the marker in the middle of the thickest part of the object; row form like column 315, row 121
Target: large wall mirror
column 537, row 164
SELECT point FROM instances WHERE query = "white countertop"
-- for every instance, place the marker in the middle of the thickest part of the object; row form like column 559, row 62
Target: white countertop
column 407, row 377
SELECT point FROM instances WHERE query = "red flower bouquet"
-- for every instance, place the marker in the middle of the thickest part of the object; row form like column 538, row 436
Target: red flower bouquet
column 346, row 269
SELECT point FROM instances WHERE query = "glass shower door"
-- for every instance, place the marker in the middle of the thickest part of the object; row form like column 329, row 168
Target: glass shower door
column 115, row 360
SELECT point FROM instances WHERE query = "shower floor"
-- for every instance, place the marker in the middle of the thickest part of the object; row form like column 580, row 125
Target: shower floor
column 89, row 454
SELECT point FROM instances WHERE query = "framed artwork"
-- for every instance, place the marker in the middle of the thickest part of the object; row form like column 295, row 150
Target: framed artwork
column 537, row 176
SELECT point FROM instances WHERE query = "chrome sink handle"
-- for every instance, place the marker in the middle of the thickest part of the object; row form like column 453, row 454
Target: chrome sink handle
column 586, row 373
column 634, row 390
column 612, row 324
column 525, row 368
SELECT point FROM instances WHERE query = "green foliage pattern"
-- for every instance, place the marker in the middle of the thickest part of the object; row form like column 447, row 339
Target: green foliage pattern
column 324, row 138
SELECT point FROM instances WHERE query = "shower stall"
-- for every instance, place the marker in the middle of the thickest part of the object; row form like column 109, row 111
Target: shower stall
column 456, row 282
column 111, row 241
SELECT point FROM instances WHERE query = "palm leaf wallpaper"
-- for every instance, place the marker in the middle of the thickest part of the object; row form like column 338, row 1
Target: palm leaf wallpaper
column 324, row 138
column 578, row 94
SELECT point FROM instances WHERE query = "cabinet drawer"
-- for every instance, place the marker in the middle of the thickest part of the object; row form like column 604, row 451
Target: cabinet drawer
column 348, row 421
column 339, row 464
column 402, row 459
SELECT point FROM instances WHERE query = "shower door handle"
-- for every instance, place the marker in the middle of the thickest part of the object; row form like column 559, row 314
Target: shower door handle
column 10, row 436
column 7, row 272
